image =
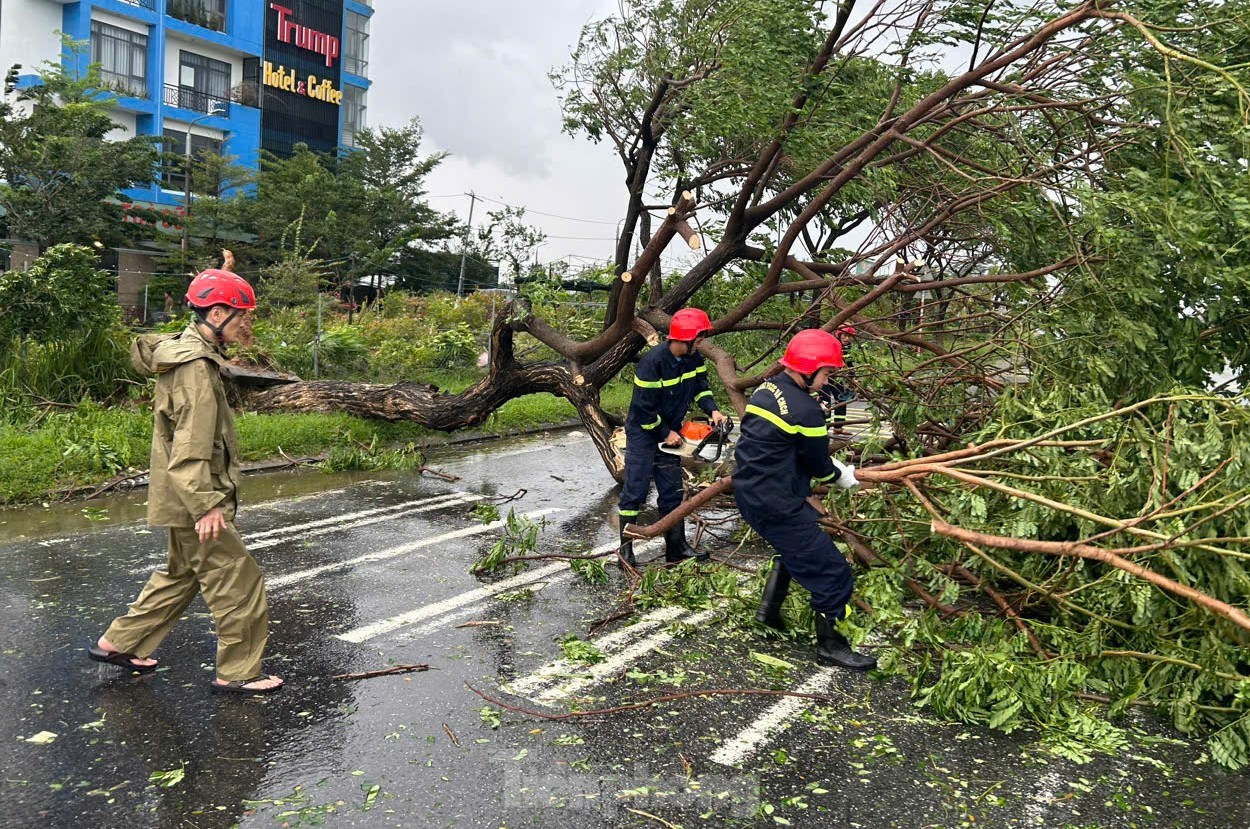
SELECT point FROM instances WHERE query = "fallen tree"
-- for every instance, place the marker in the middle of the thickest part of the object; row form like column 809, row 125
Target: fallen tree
column 1028, row 242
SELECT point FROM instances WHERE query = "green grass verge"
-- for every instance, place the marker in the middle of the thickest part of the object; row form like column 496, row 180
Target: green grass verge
column 91, row 444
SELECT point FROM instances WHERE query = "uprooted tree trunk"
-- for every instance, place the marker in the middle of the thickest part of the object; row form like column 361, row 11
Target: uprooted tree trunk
column 590, row 366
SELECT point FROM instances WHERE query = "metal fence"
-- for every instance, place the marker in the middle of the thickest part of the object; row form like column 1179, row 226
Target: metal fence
column 187, row 98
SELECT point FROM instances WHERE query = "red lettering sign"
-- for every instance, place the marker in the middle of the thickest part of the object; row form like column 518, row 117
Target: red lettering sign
column 304, row 37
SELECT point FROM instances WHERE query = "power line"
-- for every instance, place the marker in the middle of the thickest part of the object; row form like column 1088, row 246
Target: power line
column 530, row 210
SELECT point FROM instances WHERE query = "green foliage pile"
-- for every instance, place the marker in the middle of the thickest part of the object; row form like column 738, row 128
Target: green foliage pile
column 418, row 339
column 1165, row 484
column 1104, row 632
column 61, row 338
column 520, row 538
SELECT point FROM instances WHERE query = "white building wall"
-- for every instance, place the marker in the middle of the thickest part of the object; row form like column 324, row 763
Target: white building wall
column 121, row 22
column 198, row 129
column 27, row 34
column 126, row 125
column 175, row 44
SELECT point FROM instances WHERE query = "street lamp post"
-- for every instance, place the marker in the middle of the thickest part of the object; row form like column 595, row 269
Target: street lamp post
column 186, row 174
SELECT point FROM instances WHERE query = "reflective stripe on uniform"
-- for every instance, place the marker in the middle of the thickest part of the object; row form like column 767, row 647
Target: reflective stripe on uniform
column 658, row 420
column 788, row 428
column 629, row 513
column 701, row 395
column 656, row 384
column 827, row 478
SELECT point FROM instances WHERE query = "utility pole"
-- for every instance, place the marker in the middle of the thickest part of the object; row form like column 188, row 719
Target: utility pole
column 213, row 110
column 464, row 248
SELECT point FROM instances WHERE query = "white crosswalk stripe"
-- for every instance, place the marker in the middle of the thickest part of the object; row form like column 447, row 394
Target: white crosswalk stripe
column 600, row 671
column 348, row 516
column 438, row 614
column 561, row 669
column 300, row 534
column 393, row 552
column 757, row 733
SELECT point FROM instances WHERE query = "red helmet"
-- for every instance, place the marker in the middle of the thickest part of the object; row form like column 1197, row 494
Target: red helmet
column 848, row 330
column 218, row 287
column 687, row 324
column 811, row 350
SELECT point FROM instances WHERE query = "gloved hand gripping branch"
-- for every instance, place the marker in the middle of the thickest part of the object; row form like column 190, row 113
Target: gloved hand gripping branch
column 846, row 475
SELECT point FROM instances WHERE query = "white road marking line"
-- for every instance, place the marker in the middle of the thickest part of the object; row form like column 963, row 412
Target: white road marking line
column 453, row 605
column 450, row 499
column 350, row 516
column 560, row 669
column 281, row 503
column 598, row 672
column 472, row 610
column 754, row 735
column 394, row 552
column 460, row 498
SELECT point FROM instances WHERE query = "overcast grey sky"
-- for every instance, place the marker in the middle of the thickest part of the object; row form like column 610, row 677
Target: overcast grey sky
column 476, row 75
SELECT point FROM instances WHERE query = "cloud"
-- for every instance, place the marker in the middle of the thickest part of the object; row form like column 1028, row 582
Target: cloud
column 476, row 75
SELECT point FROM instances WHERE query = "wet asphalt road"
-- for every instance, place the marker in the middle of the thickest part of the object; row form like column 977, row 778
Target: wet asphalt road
column 371, row 570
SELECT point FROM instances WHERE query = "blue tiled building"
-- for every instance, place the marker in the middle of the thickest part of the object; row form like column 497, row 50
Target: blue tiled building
column 238, row 75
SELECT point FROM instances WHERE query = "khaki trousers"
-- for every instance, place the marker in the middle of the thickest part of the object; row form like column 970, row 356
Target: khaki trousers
column 233, row 589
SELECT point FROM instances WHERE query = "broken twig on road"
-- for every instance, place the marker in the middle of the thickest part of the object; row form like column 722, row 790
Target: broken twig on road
column 398, row 669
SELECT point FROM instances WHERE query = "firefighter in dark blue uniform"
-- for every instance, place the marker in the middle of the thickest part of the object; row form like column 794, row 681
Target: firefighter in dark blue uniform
column 668, row 379
column 836, row 393
column 782, row 450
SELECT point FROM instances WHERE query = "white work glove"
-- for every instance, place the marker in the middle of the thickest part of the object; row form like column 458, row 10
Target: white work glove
column 846, row 476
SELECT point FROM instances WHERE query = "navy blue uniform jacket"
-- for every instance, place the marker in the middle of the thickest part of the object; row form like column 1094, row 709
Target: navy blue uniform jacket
column 664, row 388
column 783, row 449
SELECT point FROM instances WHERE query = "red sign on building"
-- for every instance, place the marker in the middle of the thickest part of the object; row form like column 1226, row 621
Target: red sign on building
column 305, row 37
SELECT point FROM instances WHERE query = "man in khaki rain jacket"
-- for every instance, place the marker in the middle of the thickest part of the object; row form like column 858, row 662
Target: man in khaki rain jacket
column 193, row 490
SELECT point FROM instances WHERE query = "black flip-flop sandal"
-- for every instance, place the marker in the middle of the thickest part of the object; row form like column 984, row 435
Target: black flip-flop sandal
column 236, row 687
column 121, row 659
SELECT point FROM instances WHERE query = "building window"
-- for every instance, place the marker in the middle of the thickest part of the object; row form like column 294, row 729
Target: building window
column 353, row 114
column 122, row 56
column 356, row 49
column 203, row 84
column 174, row 163
column 211, row 14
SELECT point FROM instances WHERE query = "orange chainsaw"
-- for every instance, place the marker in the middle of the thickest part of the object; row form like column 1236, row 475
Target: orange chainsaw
column 697, row 435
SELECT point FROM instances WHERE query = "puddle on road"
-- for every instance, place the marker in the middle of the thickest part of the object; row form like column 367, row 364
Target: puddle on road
column 60, row 519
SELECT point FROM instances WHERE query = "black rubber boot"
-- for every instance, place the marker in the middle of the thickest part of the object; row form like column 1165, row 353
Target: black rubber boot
column 627, row 544
column 677, row 549
column 775, row 591
column 833, row 649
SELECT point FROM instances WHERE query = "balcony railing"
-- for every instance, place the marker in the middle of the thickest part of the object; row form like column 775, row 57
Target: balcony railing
column 185, row 97
column 211, row 14
column 143, row 4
